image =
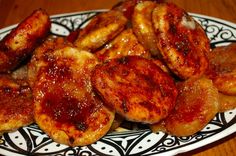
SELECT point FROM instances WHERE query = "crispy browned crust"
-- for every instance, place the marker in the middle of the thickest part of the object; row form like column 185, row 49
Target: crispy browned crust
column 196, row 104
column 124, row 44
column 222, row 68
column 143, row 27
column 101, row 29
column 16, row 104
column 136, row 88
column 66, row 108
column 181, row 40
column 21, row 41
column 40, row 54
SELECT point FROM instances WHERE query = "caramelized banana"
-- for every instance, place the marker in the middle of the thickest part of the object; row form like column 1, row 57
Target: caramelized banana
column 66, row 108
column 226, row 102
column 196, row 104
column 101, row 29
column 182, row 42
column 37, row 61
column 75, row 98
column 16, row 104
column 22, row 40
column 222, row 68
column 127, row 6
column 136, row 88
column 124, row 44
column 143, row 27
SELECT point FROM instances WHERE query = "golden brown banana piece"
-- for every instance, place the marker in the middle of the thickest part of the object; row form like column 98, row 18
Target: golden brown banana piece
column 222, row 68
column 127, row 6
column 136, row 88
column 196, row 104
column 16, row 104
column 101, row 29
column 227, row 102
column 37, row 61
column 66, row 108
column 143, row 27
column 182, row 42
column 22, row 40
column 124, row 44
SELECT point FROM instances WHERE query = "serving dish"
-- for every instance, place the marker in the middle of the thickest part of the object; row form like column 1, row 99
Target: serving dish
column 30, row 140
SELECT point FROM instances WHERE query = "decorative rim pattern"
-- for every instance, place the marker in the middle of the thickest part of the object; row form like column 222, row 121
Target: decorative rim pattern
column 31, row 140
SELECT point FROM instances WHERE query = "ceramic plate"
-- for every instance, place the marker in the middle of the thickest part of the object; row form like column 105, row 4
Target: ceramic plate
column 31, row 140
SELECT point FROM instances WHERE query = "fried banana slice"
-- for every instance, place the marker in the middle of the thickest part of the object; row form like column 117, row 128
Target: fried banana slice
column 126, row 7
column 101, row 29
column 143, row 27
column 136, row 88
column 66, row 108
column 196, row 104
column 124, row 44
column 226, row 83
column 40, row 53
column 226, row 102
column 182, row 42
column 22, row 40
column 222, row 68
column 16, row 104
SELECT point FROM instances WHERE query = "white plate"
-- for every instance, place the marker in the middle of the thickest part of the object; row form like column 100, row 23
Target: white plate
column 31, row 140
